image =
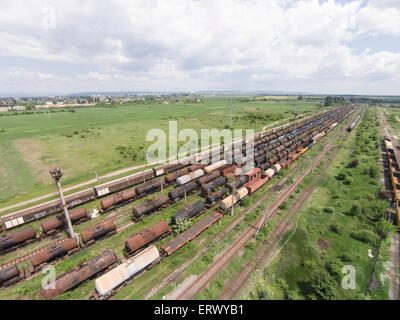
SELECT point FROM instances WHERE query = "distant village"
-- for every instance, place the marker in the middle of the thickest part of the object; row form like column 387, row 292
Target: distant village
column 36, row 103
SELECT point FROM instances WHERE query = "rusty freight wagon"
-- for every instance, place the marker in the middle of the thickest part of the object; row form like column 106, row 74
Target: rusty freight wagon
column 23, row 216
column 149, row 206
column 50, row 253
column 190, row 233
column 100, row 231
column 145, row 236
column 80, row 273
column 16, row 239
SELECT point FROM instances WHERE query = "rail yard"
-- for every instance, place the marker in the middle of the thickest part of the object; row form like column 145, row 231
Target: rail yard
column 217, row 188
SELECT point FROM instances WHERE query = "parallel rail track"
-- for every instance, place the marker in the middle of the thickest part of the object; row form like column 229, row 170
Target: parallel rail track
column 224, row 259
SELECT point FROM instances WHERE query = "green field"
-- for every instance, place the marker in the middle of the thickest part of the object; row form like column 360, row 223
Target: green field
column 85, row 141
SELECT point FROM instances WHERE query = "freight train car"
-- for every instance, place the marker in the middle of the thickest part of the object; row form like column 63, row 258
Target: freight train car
column 149, row 206
column 102, row 230
column 190, row 233
column 179, row 192
column 80, row 273
column 57, row 223
column 23, row 216
column 145, row 236
column 107, row 283
column 11, row 275
column 15, row 239
column 189, row 211
column 53, row 252
column 117, row 199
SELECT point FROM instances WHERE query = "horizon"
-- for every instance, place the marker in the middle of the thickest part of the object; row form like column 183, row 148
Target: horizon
column 346, row 47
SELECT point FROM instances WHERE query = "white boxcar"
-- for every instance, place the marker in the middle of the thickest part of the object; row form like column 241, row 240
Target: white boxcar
column 114, row 278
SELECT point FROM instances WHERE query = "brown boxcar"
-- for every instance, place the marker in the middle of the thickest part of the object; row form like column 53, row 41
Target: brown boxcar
column 80, row 273
column 53, row 251
column 145, row 236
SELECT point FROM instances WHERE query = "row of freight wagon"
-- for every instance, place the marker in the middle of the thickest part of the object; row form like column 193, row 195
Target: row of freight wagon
column 107, row 284
column 205, row 176
column 20, row 217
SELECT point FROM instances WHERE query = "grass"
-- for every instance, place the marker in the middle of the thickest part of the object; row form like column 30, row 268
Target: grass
column 87, row 141
column 328, row 216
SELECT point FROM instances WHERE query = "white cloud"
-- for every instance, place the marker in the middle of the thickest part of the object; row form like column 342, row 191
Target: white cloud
column 225, row 44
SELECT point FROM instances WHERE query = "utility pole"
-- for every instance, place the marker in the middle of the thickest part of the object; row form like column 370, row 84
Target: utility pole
column 230, row 123
column 265, row 219
column 233, row 196
column 162, row 190
column 56, row 174
column 185, row 197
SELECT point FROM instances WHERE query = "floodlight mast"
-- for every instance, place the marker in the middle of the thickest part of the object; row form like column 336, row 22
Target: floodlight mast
column 56, row 174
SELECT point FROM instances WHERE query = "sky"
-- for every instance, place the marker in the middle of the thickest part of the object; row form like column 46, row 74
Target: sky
column 314, row 46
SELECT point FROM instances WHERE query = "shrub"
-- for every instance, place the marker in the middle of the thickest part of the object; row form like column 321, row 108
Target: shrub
column 322, row 287
column 283, row 205
column 245, row 202
column 355, row 210
column 328, row 210
column 366, row 237
column 348, row 180
column 336, row 228
column 341, row 176
column 334, row 268
column 308, row 264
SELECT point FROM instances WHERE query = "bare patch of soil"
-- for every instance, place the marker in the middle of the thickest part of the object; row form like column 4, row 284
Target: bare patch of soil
column 323, row 244
column 31, row 152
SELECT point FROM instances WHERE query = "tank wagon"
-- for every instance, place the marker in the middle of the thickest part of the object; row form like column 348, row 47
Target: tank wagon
column 173, row 176
column 353, row 124
column 101, row 230
column 215, row 166
column 208, row 177
column 80, row 273
column 212, row 185
column 237, row 183
column 117, row 199
column 215, row 197
column 16, row 239
column 145, row 236
column 53, row 252
column 107, row 284
column 189, row 211
column 150, row 187
column 149, row 206
column 10, row 275
column 231, row 200
column 53, row 224
column 179, row 192
column 189, row 177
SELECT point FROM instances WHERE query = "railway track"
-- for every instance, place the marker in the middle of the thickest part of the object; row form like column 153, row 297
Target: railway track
column 174, row 275
column 24, row 258
column 225, row 257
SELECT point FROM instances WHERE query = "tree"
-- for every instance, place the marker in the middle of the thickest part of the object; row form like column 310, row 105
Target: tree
column 322, row 286
column 384, row 228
